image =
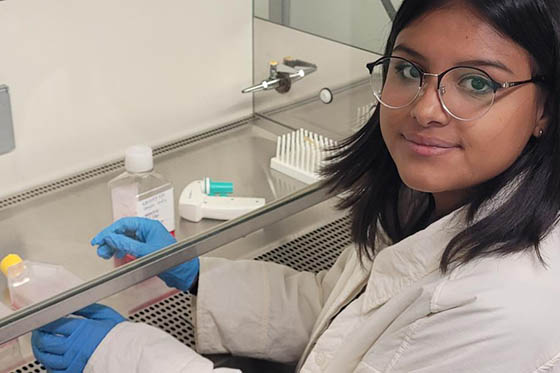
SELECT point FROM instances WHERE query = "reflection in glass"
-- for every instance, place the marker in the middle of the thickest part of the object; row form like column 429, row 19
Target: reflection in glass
column 363, row 24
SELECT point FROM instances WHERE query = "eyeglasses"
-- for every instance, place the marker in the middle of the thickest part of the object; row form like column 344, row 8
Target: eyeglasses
column 466, row 93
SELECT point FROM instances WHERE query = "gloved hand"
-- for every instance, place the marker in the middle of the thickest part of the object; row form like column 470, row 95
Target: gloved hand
column 65, row 345
column 142, row 236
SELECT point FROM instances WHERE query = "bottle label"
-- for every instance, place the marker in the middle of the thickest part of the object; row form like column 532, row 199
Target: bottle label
column 159, row 207
column 124, row 201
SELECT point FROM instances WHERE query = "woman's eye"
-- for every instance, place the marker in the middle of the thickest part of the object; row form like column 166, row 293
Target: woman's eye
column 476, row 84
column 408, row 71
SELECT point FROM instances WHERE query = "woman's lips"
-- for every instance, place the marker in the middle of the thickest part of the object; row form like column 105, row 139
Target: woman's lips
column 428, row 146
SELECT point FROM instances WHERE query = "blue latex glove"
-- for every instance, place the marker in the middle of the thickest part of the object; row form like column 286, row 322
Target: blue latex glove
column 142, row 236
column 65, row 345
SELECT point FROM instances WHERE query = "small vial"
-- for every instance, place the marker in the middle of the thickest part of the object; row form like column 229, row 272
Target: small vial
column 142, row 192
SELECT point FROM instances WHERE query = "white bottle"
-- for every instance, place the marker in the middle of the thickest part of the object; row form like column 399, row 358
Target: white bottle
column 31, row 282
column 140, row 191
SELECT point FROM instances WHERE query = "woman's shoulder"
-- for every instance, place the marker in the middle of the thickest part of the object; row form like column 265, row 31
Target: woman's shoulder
column 517, row 275
column 507, row 301
column 517, row 291
column 516, row 269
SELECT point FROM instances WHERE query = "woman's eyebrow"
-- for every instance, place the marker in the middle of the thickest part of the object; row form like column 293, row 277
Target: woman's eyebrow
column 473, row 62
column 409, row 51
column 487, row 63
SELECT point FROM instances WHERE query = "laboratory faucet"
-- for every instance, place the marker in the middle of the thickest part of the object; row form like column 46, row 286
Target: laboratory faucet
column 282, row 76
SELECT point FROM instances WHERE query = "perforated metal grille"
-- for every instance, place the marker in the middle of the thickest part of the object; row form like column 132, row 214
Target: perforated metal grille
column 172, row 314
column 110, row 167
column 34, row 367
column 313, row 251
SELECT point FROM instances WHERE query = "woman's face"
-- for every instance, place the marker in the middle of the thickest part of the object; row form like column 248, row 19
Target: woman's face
column 471, row 152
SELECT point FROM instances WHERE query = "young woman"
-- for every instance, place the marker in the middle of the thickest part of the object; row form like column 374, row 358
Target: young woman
column 454, row 192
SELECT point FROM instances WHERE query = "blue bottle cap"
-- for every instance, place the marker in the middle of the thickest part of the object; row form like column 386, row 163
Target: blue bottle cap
column 215, row 188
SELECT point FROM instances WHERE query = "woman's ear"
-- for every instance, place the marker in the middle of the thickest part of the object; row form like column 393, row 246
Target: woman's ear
column 542, row 115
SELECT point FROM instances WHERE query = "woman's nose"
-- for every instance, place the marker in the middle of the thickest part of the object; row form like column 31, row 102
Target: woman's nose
column 428, row 109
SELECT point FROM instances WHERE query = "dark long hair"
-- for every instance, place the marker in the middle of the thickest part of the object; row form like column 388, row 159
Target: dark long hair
column 364, row 168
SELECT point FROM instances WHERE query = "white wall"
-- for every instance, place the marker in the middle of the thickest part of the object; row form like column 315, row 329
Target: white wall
column 90, row 77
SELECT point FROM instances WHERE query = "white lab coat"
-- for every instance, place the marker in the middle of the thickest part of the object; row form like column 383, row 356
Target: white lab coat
column 397, row 314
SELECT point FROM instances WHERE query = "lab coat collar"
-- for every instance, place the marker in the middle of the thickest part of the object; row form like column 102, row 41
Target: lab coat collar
column 401, row 264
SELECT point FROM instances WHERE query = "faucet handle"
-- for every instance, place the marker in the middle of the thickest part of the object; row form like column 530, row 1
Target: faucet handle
column 264, row 86
column 291, row 70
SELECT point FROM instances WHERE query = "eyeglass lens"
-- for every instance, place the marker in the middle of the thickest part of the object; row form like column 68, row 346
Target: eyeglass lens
column 466, row 93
